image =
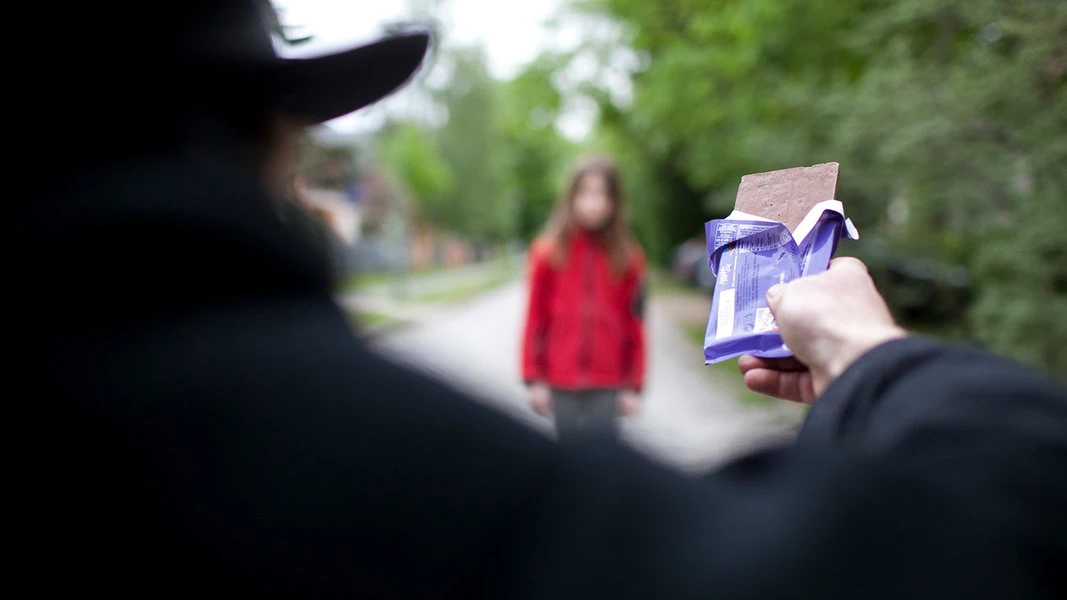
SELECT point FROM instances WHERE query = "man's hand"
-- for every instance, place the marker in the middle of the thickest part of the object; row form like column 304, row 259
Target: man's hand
column 785, row 378
column 828, row 321
column 629, row 403
column 541, row 399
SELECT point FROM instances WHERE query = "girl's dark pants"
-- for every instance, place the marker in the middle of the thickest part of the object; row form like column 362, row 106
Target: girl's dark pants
column 585, row 412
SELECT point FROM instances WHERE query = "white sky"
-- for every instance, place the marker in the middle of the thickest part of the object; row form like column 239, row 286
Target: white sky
column 513, row 32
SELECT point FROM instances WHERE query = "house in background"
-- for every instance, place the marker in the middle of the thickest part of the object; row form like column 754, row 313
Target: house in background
column 327, row 178
column 341, row 214
column 375, row 220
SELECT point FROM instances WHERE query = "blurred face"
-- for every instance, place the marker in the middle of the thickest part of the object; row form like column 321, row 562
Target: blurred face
column 282, row 157
column 592, row 202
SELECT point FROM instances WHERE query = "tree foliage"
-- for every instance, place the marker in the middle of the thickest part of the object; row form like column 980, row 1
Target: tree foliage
column 415, row 160
column 534, row 154
column 468, row 142
column 491, row 171
column 949, row 119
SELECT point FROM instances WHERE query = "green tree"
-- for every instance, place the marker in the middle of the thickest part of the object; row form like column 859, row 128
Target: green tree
column 410, row 152
column 469, row 143
column 493, row 170
column 949, row 120
column 534, row 153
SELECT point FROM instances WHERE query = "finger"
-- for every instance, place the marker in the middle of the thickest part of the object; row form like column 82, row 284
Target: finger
column 774, row 296
column 769, row 383
column 748, row 363
column 847, row 262
column 795, row 386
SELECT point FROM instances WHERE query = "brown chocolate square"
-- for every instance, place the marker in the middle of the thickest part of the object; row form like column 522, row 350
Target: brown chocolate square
column 787, row 195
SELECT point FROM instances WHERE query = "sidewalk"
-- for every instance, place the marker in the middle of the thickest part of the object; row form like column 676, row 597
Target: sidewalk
column 692, row 417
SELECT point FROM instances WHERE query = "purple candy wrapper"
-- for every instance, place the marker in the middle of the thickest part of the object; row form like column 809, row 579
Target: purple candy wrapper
column 747, row 258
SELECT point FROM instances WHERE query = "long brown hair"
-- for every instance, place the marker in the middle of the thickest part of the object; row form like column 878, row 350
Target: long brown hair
column 615, row 236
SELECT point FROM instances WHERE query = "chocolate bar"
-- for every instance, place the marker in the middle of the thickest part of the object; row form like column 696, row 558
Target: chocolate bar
column 786, row 196
column 786, row 225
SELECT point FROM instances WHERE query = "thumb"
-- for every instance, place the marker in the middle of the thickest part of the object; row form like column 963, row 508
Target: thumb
column 774, row 296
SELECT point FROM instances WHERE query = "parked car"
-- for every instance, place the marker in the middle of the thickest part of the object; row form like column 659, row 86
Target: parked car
column 690, row 264
column 919, row 290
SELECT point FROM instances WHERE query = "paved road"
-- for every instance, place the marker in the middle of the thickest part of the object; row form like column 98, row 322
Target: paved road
column 690, row 419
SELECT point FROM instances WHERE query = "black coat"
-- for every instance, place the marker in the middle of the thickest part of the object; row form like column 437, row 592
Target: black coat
column 190, row 414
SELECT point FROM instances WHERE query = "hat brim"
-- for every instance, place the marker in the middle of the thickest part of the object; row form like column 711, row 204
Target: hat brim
column 326, row 87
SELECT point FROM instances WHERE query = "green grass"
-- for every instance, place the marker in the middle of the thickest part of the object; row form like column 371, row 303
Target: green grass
column 663, row 282
column 468, row 290
column 365, row 281
column 367, row 318
column 727, row 371
column 695, row 333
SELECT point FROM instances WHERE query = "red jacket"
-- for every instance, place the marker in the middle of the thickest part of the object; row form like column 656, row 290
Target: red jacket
column 584, row 326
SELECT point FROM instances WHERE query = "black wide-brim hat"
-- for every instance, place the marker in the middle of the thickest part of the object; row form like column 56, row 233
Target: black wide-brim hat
column 222, row 49
column 326, row 87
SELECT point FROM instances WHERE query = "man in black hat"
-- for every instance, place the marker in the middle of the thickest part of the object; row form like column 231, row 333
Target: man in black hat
column 191, row 415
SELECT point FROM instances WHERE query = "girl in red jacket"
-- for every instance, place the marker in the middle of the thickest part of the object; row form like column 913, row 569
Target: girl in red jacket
column 583, row 352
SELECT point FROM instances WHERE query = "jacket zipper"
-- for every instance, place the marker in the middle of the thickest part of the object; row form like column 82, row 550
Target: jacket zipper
column 587, row 315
